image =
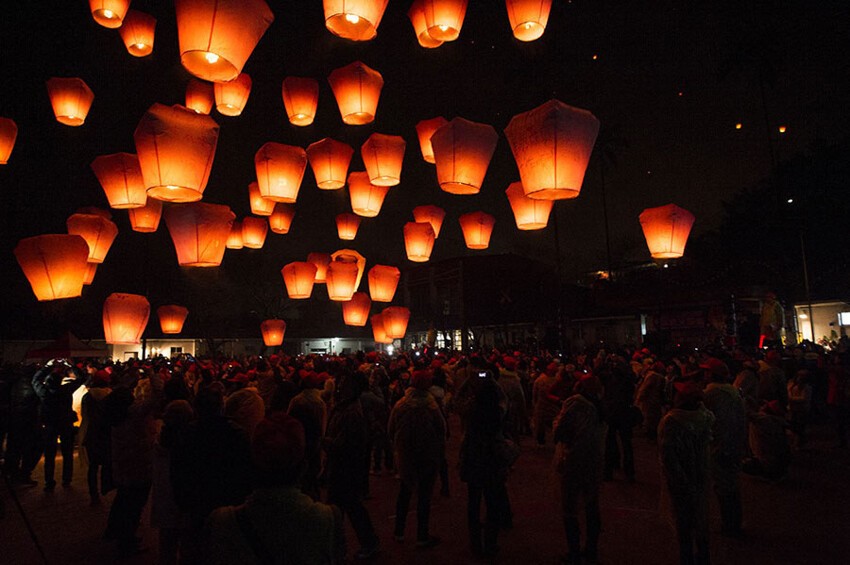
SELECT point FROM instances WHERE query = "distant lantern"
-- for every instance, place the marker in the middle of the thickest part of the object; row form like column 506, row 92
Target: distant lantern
column 280, row 169
column 300, row 98
column 98, row 232
column 418, row 241
column 109, row 13
column 477, row 228
column 146, row 219
column 91, row 271
column 444, row 18
column 121, row 178
column 341, row 280
column 273, row 331
column 259, row 205
column 530, row 214
column 55, row 265
column 321, row 261
column 424, row 130
column 299, row 278
column 347, row 225
column 199, row 232
column 357, row 20
column 8, row 135
column 383, row 156
column 351, row 256
column 433, row 215
column 395, row 321
column 137, row 31
column 200, row 96
column 125, row 317
column 329, row 160
column 366, row 198
column 254, row 231
column 231, row 97
column 355, row 312
column 552, row 145
column 420, row 27
column 383, row 282
column 171, row 318
column 528, row 18
column 462, row 152
column 234, row 239
column 357, row 89
column 71, row 99
column 378, row 331
column 281, row 219
column 217, row 36
column 666, row 230
column 176, row 147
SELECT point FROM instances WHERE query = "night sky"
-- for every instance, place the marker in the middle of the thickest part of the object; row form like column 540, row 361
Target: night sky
column 668, row 80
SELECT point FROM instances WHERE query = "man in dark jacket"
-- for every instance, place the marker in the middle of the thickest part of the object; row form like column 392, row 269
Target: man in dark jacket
column 619, row 385
column 24, row 442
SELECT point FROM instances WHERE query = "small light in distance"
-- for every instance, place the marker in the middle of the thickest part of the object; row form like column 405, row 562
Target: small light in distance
column 739, row 125
column 782, row 129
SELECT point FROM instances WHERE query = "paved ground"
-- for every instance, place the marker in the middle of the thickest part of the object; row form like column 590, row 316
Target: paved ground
column 800, row 520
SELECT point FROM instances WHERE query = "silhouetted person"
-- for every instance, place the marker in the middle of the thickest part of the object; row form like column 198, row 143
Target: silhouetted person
column 96, row 436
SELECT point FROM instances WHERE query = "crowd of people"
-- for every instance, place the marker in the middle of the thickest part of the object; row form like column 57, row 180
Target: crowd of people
column 261, row 459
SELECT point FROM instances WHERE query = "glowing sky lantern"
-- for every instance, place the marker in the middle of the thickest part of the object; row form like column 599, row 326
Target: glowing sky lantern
column 378, row 331
column 666, row 230
column 273, row 331
column 424, row 130
column 383, row 155
column 341, row 280
column 109, row 13
column 91, row 271
column 300, row 98
column 357, row 20
column 217, row 37
column 418, row 241
column 121, row 178
column 280, row 169
column 137, row 32
column 125, row 317
column 199, row 231
column 357, row 89
column 329, row 160
column 477, row 228
column 434, row 215
column 234, row 239
column 200, row 96
column 383, row 282
column 321, row 261
column 254, row 231
column 55, row 265
column 259, row 205
column 395, row 320
column 346, row 225
column 71, row 99
column 351, row 256
column 299, row 278
column 98, row 232
column 8, row 135
column 462, row 152
column 420, row 26
column 231, row 97
column 529, row 214
column 171, row 318
column 281, row 219
column 444, row 18
column 355, row 312
column 146, row 219
column 366, row 198
column 528, row 18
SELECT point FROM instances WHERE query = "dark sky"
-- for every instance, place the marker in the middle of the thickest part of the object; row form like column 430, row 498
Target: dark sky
column 669, row 78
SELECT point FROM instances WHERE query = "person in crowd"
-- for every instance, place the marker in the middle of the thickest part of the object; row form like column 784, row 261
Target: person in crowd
column 838, row 396
column 308, row 408
column 96, row 436
column 23, row 441
column 439, row 390
column 746, row 381
column 772, row 383
column 618, row 381
column 799, row 405
column 516, row 418
column 245, row 408
column 771, row 454
column 267, row 380
column 650, row 397
column 544, row 408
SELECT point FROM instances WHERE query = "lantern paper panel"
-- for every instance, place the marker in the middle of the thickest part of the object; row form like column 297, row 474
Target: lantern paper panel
column 433, row 215
column 321, row 261
column 477, row 228
column 299, row 278
column 351, row 256
column 462, row 153
column 98, row 232
column 366, row 198
column 176, row 147
column 259, row 206
column 341, row 280
column 347, row 225
column 383, row 156
column 109, row 13
column 528, row 18
column 146, row 219
column 71, row 99
column 551, row 145
column 254, row 231
column 199, row 232
column 329, row 160
column 420, row 26
column 95, row 211
column 231, row 97
column 355, row 312
column 137, row 32
column 300, row 99
column 383, row 282
column 55, row 265
column 357, row 20
column 125, row 317
column 666, row 230
column 91, row 271
column 281, row 219
column 121, row 178
column 234, row 239
column 171, row 318
column 395, row 320
column 424, row 130
column 444, row 18
column 357, row 89
column 200, row 96
column 8, row 136
column 217, row 37
column 280, row 169
column 378, row 331
column 529, row 214
column 418, row 241
column 273, row 331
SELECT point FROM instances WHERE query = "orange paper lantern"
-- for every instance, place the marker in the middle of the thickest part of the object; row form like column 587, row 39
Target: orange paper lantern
column 357, row 20
column 378, row 331
column 383, row 156
column 280, row 169
column 98, row 232
column 395, row 320
column 299, row 278
column 254, row 231
column 329, row 160
column 530, row 214
column 234, row 239
column 355, row 312
column 91, row 271
column 321, row 261
column 477, row 228
column 273, row 331
column 259, row 205
column 109, row 13
column 366, row 198
column 300, row 98
column 444, row 18
column 231, row 97
column 528, row 18
column 8, row 135
column 552, row 145
column 433, row 215
column 341, row 279
column 146, row 218
column 199, row 232
column 176, row 147
column 346, row 225
column 55, row 265
column 357, row 89
column 383, row 282
column 281, row 219
column 351, row 256
column 424, row 130
column 71, row 99
column 137, row 32
column 666, row 230
column 200, row 96
column 217, row 36
column 418, row 241
column 462, row 152
column 420, row 26
column 125, row 317
column 121, row 178
column 172, row 318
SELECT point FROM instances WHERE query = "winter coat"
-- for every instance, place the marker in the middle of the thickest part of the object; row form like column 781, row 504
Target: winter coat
column 769, row 443
column 579, row 433
column 308, row 408
column 650, row 398
column 347, row 447
column 517, row 413
column 772, row 386
column 95, row 432
column 267, row 384
column 56, row 392
column 544, row 409
column 164, row 510
column 133, row 433
column 418, row 433
column 729, row 434
column 245, row 408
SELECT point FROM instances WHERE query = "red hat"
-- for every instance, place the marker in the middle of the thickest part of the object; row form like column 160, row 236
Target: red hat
column 714, row 365
column 421, row 379
column 773, row 357
column 774, row 407
column 552, row 368
column 590, row 385
column 687, row 392
column 278, row 443
column 659, row 367
column 101, row 378
column 509, row 363
column 310, row 379
column 436, row 364
column 372, row 356
column 274, row 359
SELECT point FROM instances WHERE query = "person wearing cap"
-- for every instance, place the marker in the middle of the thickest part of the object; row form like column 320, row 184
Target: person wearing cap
column 650, row 397
column 95, row 436
column 308, row 408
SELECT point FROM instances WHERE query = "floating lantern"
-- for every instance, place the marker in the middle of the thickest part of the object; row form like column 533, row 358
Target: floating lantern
column 346, row 225
column 528, row 18
column 357, row 20
column 383, row 282
column 231, row 97
column 378, row 331
column 477, row 228
column 234, row 239
column 137, row 31
column 200, row 96
column 420, row 27
column 121, row 178
column 433, row 215
column 424, row 130
column 383, row 156
column 355, row 312
column 666, row 230
column 281, row 219
column 299, row 278
column 109, row 13
column 280, row 169
column 329, row 160
column 341, row 280
column 300, row 98
column 199, row 232
column 366, row 198
column 98, row 232
column 418, row 241
column 217, row 36
column 55, row 265
column 254, row 232
column 95, row 211
column 444, row 18
column 273, row 331
column 71, row 99
column 462, row 152
column 172, row 318
column 91, row 271
column 351, row 256
column 259, row 205
column 176, row 147
column 395, row 320
column 552, row 145
column 125, row 317
column 321, row 261
column 146, row 218
column 530, row 214
column 8, row 135
column 357, row 89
